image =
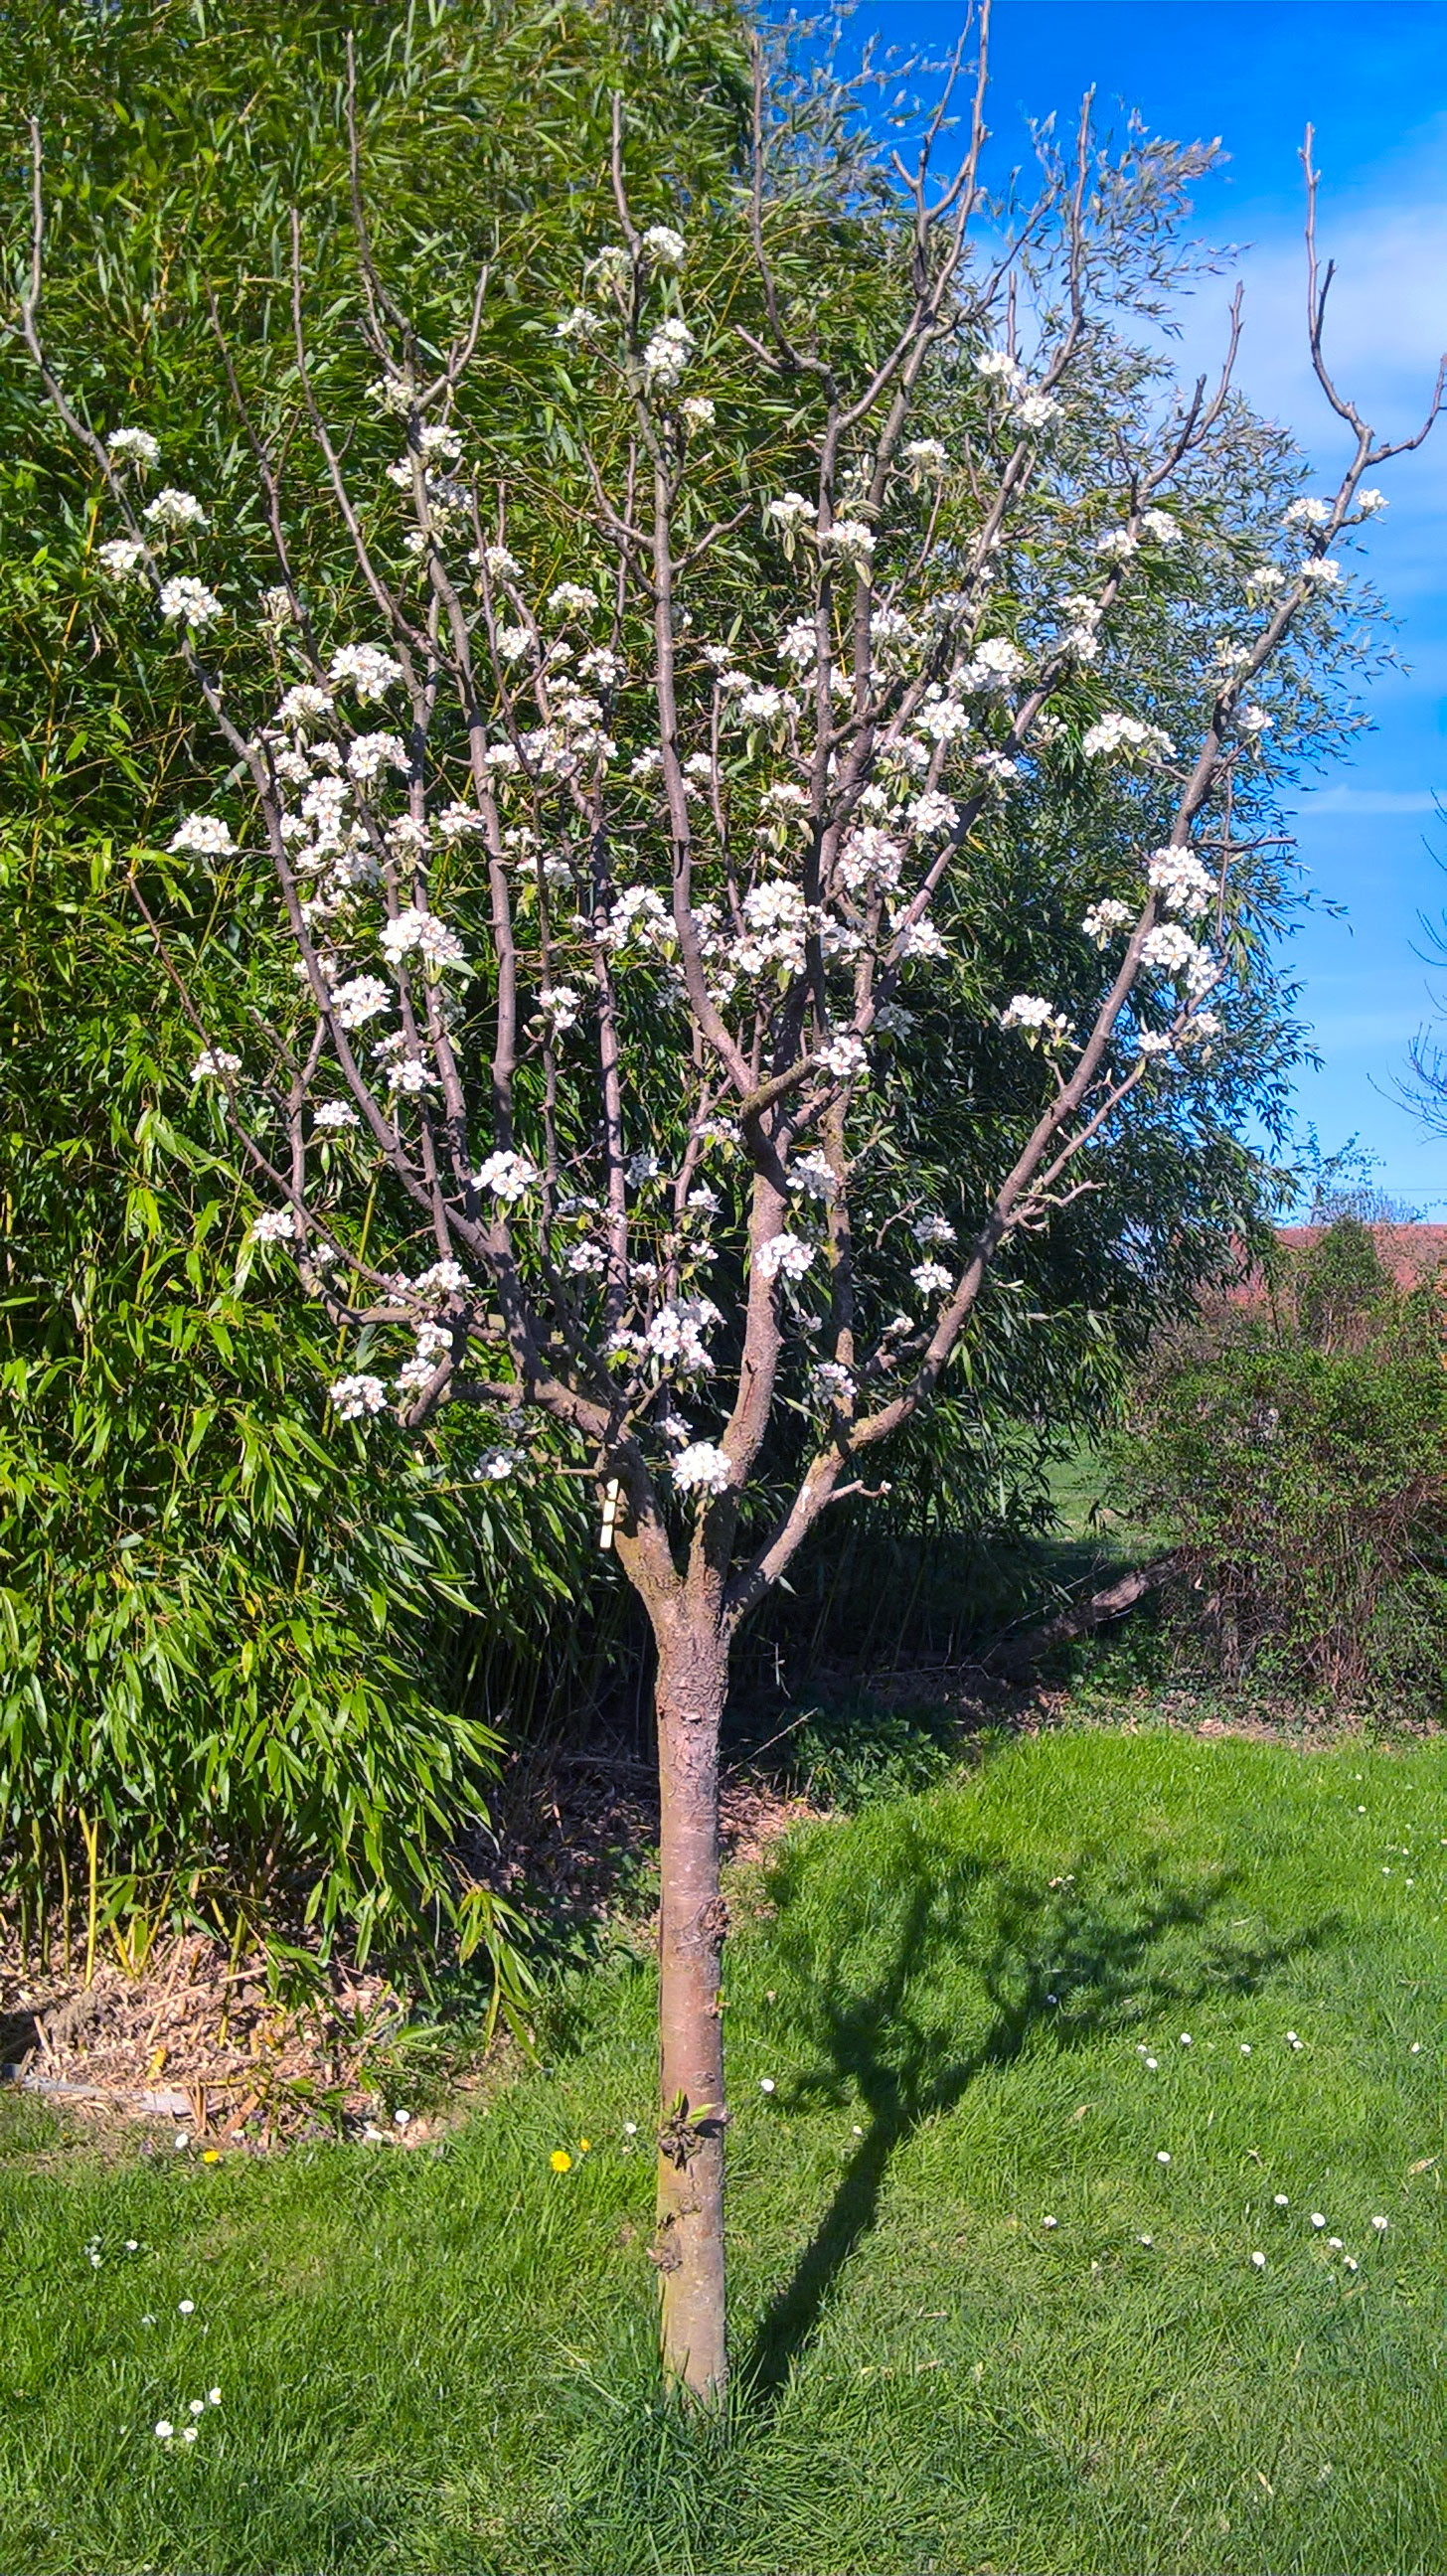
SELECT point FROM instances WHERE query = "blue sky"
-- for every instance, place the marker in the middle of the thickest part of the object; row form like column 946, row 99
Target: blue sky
column 1371, row 76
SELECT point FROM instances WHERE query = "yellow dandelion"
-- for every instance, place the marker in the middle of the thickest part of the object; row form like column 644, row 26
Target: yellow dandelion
column 211, row 2155
column 585, row 2146
column 560, row 2160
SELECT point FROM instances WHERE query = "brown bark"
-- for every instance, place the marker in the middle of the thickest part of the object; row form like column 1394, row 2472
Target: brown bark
column 689, row 2245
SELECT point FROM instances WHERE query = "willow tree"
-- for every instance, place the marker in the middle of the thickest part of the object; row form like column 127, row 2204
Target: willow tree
column 625, row 828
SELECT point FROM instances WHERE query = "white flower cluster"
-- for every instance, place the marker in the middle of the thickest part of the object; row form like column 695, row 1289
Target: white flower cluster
column 362, row 998
column 509, row 1176
column 666, row 355
column 133, row 447
column 212, row 1065
column 366, row 669
column 334, row 1115
column 675, row 1335
column 414, row 933
column 788, row 1253
column 123, row 558
column 1039, row 1019
column 849, row 541
column 1182, row 882
column 925, row 455
column 277, row 1225
column 353, row 1398
column 174, row 513
column 203, row 836
column 190, row 601
column 665, row 247
column 844, row 1057
column 1104, row 919
column 1126, row 733
column 832, row 1383
column 931, row 1278
column 1307, row 513
column 701, row 1468
column 1174, row 952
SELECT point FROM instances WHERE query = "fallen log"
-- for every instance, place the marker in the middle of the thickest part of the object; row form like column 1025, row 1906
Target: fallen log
column 1017, row 1655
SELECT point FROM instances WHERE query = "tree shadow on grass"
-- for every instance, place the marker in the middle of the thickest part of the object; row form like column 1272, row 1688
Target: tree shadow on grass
column 1103, row 1947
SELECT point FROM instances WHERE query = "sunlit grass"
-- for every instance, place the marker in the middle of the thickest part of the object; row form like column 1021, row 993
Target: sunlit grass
column 441, row 2361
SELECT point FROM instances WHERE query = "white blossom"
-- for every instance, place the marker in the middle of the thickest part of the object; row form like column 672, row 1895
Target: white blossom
column 134, row 447
column 336, row 1114
column 391, row 395
column 1175, row 952
column 123, row 558
column 368, row 754
column 1117, row 545
column 458, row 823
column 304, row 705
column 786, row 1252
column 509, row 1176
column 175, row 513
column 495, row 1466
column 701, row 1467
column 849, row 541
column 665, row 247
column 370, row 671
column 932, row 1229
column 562, row 1004
column 1321, row 571
column 1369, row 502
column 1038, row 1018
column 1035, row 411
column 1307, row 513
column 413, row 932
column 926, row 455
column 1116, row 732
column 204, row 836
column 354, row 1397
column 844, row 1057
column 666, row 355
column 792, row 512
column 213, row 1064
column 931, row 813
column 919, row 940
column 189, row 600
column 445, row 1278
column 1182, row 882
column 409, row 1074
column 500, row 565
column 586, row 1257
column 832, row 1382
column 359, row 1000
column 930, row 1277
column 998, row 367
column 1265, row 576
column 812, row 1177
column 277, row 1225
column 1160, row 527
column 1253, row 721
column 1104, row 919
column 675, row 1336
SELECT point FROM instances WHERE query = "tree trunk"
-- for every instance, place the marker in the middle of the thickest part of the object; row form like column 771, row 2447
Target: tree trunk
column 689, row 2246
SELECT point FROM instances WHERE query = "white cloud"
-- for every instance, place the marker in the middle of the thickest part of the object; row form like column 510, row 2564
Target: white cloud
column 1373, row 801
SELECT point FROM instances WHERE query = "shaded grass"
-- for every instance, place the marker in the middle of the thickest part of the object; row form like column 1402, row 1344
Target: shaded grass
column 442, row 2362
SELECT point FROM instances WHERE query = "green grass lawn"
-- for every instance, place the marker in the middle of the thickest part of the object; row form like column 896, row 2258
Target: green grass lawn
column 441, row 2361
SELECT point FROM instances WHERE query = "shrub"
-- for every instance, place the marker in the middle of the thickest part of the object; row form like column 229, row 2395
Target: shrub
column 1301, row 1468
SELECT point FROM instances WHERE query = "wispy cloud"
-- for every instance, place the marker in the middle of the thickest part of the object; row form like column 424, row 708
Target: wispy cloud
column 1366, row 801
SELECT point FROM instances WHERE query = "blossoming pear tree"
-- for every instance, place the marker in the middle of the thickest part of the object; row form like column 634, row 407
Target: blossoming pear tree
column 622, row 833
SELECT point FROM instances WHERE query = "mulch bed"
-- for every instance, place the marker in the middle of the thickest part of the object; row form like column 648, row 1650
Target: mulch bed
column 202, row 2043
